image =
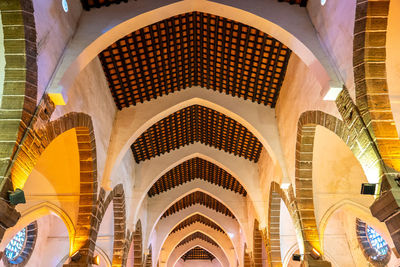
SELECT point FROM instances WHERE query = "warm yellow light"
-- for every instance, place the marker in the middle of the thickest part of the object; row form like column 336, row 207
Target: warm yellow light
column 96, row 260
column 315, row 254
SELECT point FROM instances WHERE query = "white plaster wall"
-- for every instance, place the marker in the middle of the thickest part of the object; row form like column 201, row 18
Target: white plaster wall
column 51, row 244
column 300, row 92
column 334, row 23
column 105, row 237
column 54, row 29
column 2, row 59
column 286, row 231
column 90, row 94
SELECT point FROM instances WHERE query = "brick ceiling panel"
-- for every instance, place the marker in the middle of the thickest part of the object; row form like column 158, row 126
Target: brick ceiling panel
column 196, row 124
column 196, row 168
column 198, row 198
column 198, row 253
column 197, row 235
column 194, row 219
column 195, row 49
column 302, row 3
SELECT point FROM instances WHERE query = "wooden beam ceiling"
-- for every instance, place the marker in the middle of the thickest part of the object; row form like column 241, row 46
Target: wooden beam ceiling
column 196, row 124
column 196, row 168
column 302, row 3
column 195, row 49
column 201, row 198
column 194, row 219
column 89, row 4
column 198, row 253
column 197, row 235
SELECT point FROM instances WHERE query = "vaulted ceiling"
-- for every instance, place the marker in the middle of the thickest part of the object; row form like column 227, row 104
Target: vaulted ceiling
column 198, row 253
column 198, row 198
column 196, row 168
column 195, row 49
column 200, row 236
column 194, row 219
column 196, row 124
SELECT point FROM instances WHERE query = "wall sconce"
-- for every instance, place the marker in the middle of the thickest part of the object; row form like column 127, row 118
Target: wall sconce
column 96, row 260
column 296, row 257
column 76, row 256
column 315, row 254
column 368, row 189
column 16, row 197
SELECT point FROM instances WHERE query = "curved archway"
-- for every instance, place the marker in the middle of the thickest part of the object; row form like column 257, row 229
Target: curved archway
column 86, row 50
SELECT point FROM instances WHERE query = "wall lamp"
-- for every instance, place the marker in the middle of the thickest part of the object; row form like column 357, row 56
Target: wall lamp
column 76, row 256
column 16, row 197
column 296, row 257
column 96, row 260
column 368, row 189
column 315, row 254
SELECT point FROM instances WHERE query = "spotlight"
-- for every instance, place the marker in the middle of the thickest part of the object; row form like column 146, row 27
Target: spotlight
column 76, row 256
column 368, row 189
column 16, row 197
column 96, row 260
column 296, row 257
column 315, row 254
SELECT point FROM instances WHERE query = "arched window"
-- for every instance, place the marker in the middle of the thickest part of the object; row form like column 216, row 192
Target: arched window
column 19, row 249
column 373, row 245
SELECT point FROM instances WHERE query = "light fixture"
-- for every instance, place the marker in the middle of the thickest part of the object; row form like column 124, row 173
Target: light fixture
column 285, row 186
column 315, row 254
column 16, row 197
column 323, row 2
column 65, row 5
column 368, row 189
column 296, row 257
column 76, row 256
column 96, row 260
column 333, row 93
column 231, row 235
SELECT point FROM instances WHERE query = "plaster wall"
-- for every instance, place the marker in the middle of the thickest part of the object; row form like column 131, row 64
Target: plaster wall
column 54, row 29
column 56, row 177
column 337, row 174
column 2, row 59
column 90, row 94
column 300, row 92
column 287, row 232
column 334, row 23
column 105, row 237
column 198, row 263
column 393, row 60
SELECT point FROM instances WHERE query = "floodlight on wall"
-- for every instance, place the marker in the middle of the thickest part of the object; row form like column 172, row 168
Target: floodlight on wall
column 296, row 257
column 333, row 93
column 285, row 186
column 64, row 4
column 315, row 254
column 96, row 260
column 323, row 2
column 368, row 189
column 16, row 197
column 76, row 256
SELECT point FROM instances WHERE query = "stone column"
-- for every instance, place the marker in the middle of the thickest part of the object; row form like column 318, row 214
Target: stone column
column 8, row 216
column 309, row 261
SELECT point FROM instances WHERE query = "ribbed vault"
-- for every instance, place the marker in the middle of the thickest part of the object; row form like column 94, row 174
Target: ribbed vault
column 198, row 235
column 195, row 49
column 197, row 218
column 198, row 253
column 196, row 168
column 196, row 124
column 201, row 198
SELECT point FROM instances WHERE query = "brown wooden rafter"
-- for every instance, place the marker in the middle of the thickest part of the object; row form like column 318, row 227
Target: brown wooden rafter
column 195, row 49
column 196, row 124
column 197, row 235
column 88, row 4
column 194, row 219
column 198, row 198
column 196, row 168
column 198, row 253
column 302, row 3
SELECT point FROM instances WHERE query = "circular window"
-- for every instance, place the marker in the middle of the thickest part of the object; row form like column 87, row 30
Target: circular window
column 19, row 249
column 323, row 2
column 65, row 5
column 374, row 246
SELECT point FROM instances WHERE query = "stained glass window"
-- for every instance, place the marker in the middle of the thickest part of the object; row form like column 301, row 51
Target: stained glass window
column 16, row 245
column 377, row 242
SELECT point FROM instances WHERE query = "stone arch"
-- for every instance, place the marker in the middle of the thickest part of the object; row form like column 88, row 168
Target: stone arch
column 257, row 244
column 20, row 82
column 369, row 63
column 35, row 143
column 149, row 258
column 138, row 243
column 117, row 196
